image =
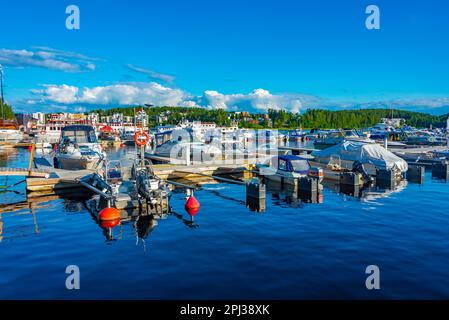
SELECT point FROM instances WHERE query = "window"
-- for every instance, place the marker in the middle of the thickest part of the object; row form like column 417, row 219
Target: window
column 282, row 165
column 300, row 165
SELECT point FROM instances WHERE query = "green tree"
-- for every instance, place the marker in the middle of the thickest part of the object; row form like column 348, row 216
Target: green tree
column 8, row 112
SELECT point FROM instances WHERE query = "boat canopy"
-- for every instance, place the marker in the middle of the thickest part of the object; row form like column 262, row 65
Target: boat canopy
column 79, row 133
column 370, row 153
column 290, row 163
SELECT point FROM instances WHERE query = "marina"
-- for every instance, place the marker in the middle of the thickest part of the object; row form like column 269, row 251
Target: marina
column 120, row 181
column 224, row 204
column 317, row 233
column 224, row 159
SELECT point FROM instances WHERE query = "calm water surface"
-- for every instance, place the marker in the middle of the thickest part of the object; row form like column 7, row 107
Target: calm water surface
column 293, row 250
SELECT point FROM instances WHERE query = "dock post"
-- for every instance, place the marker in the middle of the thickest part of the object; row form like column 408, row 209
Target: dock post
column 415, row 173
column 256, row 196
column 142, row 156
column 385, row 179
column 441, row 170
column 308, row 189
column 30, row 164
column 350, row 183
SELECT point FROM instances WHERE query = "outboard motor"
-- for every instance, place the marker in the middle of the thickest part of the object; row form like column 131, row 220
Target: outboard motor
column 358, row 167
column 143, row 185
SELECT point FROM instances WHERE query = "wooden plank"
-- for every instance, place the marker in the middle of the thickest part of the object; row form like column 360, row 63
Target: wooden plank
column 23, row 172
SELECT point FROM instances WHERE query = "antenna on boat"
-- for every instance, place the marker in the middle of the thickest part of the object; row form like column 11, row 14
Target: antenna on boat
column 1, row 89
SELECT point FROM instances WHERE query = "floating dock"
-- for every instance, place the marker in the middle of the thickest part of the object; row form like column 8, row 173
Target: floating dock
column 60, row 179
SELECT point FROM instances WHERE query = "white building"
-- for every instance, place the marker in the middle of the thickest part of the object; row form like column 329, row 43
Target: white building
column 39, row 116
column 394, row 122
column 93, row 118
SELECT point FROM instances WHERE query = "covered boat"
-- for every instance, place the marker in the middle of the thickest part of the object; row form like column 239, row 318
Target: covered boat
column 287, row 169
column 79, row 149
column 372, row 155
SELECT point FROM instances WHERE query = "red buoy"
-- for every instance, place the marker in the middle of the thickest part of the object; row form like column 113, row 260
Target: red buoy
column 30, row 148
column 109, row 214
column 192, row 206
column 109, row 223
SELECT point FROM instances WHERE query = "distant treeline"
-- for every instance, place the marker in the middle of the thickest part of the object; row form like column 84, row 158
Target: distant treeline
column 318, row 118
column 312, row 118
column 173, row 115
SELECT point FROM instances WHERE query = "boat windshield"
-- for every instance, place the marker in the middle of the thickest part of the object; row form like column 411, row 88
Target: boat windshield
column 300, row 165
column 80, row 136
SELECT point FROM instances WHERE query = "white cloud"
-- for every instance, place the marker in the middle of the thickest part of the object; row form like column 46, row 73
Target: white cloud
column 62, row 94
column 152, row 74
column 119, row 94
column 257, row 100
column 42, row 57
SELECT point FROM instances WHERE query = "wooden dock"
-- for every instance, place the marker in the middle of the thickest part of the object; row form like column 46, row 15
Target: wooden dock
column 175, row 172
column 60, row 179
column 24, row 172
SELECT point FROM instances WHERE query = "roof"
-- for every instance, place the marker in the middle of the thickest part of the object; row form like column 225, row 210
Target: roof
column 106, row 129
column 290, row 157
column 78, row 127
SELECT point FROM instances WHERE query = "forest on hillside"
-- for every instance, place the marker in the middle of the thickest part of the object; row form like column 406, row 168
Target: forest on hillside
column 318, row 118
column 281, row 119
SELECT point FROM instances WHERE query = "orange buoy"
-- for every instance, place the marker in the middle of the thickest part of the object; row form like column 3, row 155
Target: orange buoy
column 109, row 223
column 192, row 206
column 138, row 138
column 108, row 214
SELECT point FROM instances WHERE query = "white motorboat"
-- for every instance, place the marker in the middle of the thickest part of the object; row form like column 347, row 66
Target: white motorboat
column 286, row 168
column 79, row 149
column 336, row 137
column 9, row 131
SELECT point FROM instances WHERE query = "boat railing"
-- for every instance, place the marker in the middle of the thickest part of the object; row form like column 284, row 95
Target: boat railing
column 334, row 161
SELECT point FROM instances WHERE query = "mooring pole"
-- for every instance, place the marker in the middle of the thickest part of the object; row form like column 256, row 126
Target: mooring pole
column 142, row 156
column 30, row 164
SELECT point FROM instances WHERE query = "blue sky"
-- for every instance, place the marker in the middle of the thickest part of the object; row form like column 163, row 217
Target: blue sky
column 230, row 54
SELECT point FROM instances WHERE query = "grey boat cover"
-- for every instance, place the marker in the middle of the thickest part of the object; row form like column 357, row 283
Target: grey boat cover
column 371, row 153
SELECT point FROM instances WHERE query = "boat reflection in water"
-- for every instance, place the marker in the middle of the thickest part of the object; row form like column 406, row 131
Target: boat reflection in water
column 367, row 192
column 289, row 196
column 6, row 155
column 143, row 226
column 256, row 204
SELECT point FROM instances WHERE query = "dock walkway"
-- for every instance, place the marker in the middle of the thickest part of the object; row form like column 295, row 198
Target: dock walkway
column 24, row 172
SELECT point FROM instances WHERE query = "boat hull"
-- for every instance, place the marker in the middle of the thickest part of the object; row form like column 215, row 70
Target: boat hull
column 10, row 135
column 78, row 164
